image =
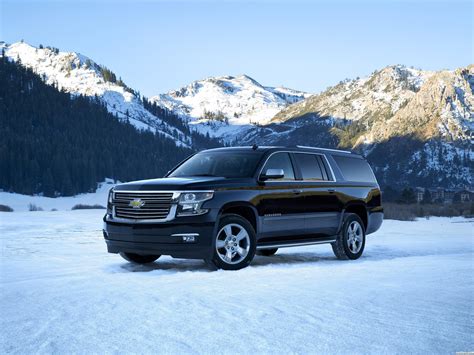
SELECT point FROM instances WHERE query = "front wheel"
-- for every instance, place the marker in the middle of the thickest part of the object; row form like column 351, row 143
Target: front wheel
column 234, row 244
column 139, row 259
column 350, row 242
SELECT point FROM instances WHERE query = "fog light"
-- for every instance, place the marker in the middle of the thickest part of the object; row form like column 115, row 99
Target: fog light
column 187, row 237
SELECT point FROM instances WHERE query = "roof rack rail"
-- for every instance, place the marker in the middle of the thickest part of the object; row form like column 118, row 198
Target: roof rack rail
column 328, row 149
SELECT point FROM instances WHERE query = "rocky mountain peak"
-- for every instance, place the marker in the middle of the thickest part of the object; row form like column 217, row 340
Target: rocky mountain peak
column 223, row 104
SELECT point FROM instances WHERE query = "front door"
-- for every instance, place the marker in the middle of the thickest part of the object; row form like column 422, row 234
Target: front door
column 281, row 204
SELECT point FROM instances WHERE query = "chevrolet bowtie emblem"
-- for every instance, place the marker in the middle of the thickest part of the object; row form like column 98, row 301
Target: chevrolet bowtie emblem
column 136, row 203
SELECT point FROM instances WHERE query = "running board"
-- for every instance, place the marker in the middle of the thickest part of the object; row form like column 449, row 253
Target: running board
column 296, row 244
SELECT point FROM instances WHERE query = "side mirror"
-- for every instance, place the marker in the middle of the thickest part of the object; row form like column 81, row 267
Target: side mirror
column 272, row 174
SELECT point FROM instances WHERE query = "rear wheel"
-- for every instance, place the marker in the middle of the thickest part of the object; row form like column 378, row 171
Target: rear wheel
column 235, row 243
column 350, row 242
column 139, row 259
column 267, row 252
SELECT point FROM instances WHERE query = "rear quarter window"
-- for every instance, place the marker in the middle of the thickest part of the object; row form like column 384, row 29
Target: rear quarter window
column 355, row 169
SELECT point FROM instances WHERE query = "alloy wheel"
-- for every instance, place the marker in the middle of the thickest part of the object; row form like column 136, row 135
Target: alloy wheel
column 232, row 243
column 355, row 237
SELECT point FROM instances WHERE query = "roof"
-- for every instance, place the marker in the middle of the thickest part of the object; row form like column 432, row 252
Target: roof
column 296, row 148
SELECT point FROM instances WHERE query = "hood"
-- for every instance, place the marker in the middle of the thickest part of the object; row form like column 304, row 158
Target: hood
column 183, row 183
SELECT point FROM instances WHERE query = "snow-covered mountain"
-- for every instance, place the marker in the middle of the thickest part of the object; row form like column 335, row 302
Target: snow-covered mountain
column 80, row 75
column 220, row 105
column 395, row 101
column 383, row 92
column 443, row 107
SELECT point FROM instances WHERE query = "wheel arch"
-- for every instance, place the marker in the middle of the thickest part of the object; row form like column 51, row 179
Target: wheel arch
column 360, row 209
column 243, row 209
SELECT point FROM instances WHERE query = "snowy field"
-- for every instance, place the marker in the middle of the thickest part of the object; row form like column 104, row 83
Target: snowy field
column 411, row 292
column 21, row 202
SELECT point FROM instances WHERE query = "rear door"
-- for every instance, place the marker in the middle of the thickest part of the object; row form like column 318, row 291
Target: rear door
column 281, row 202
column 321, row 204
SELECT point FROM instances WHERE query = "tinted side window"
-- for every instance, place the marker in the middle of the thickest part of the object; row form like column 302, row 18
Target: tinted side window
column 281, row 161
column 309, row 166
column 355, row 169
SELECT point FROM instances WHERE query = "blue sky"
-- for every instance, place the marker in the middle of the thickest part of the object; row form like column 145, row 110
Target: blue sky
column 156, row 46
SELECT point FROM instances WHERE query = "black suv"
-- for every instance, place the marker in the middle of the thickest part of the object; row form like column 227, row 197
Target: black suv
column 224, row 205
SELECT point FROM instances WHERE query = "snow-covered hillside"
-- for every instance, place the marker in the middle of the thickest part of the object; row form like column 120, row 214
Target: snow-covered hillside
column 79, row 75
column 443, row 107
column 60, row 292
column 220, row 105
column 395, row 101
column 383, row 92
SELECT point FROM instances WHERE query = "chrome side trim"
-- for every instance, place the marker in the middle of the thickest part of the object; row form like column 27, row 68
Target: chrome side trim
column 281, row 217
column 270, row 246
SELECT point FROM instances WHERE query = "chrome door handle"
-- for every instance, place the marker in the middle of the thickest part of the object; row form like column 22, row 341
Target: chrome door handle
column 331, row 191
column 297, row 191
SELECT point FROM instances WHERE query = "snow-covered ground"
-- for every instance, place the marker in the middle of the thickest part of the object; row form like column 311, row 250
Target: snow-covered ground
column 21, row 202
column 411, row 292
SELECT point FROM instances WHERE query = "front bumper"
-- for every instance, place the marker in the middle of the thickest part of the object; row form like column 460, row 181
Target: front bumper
column 165, row 238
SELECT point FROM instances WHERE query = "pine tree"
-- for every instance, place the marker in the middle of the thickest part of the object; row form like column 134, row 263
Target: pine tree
column 408, row 196
column 55, row 143
column 427, row 196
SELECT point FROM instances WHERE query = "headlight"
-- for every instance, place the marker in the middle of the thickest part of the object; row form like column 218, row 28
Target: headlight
column 190, row 202
column 109, row 201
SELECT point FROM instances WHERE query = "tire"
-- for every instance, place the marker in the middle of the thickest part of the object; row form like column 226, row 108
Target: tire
column 230, row 252
column 267, row 252
column 350, row 242
column 139, row 259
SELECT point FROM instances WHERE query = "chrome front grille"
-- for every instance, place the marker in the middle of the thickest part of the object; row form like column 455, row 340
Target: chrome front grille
column 143, row 205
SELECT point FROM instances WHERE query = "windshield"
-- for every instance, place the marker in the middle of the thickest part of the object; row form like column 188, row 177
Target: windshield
column 223, row 164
